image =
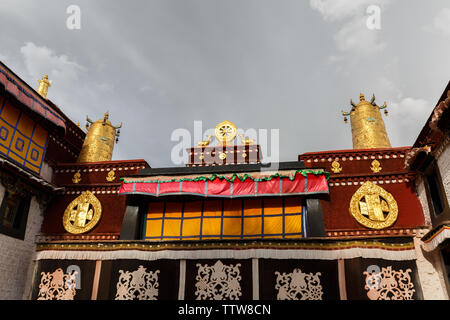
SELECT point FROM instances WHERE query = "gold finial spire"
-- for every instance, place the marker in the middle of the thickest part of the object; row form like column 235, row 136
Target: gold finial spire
column 99, row 142
column 44, row 84
column 368, row 130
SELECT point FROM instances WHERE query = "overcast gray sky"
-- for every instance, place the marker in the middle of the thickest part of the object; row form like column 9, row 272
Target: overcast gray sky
column 265, row 64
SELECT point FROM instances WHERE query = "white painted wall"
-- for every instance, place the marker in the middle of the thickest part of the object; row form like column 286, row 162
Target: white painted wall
column 16, row 255
column 429, row 264
column 443, row 163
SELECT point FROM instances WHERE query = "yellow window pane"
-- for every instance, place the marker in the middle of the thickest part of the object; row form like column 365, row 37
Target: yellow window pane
column 230, row 238
column 212, row 208
column 272, row 237
column 273, row 225
column 153, row 228
column 273, row 206
column 292, row 205
column 293, row 224
column 20, row 145
column 10, row 114
column 40, row 135
column 252, row 226
column 15, row 157
column 211, row 226
column 35, row 154
column 173, row 215
column 6, row 133
column 191, row 227
column 211, row 237
column 3, row 149
column 172, row 228
column 232, row 207
column 25, row 125
column 293, row 236
column 252, row 207
column 192, row 209
column 232, row 226
column 173, row 209
column 191, row 239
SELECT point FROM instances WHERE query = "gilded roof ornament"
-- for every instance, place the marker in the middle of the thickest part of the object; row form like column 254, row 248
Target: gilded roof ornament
column 204, row 143
column 368, row 130
column 336, row 167
column 44, row 84
column 225, row 132
column 99, row 142
column 246, row 141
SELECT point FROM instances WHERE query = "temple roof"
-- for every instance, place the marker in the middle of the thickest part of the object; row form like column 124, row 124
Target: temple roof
column 29, row 98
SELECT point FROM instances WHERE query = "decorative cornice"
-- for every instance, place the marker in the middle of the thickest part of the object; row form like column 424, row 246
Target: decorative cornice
column 102, row 166
column 102, row 190
column 308, row 244
column 392, row 178
column 354, row 155
column 42, row 238
column 338, row 234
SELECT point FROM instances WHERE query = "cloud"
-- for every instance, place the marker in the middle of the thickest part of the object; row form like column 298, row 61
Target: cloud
column 442, row 21
column 40, row 60
column 353, row 36
column 407, row 117
column 336, row 10
column 356, row 38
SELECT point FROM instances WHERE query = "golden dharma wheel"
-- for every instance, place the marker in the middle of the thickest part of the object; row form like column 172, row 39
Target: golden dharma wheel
column 225, row 132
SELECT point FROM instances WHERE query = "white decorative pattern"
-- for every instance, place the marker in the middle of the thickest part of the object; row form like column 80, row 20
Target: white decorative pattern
column 218, row 282
column 137, row 285
column 389, row 284
column 298, row 286
column 57, row 285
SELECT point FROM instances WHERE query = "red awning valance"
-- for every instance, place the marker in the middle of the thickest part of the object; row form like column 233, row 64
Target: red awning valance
column 289, row 182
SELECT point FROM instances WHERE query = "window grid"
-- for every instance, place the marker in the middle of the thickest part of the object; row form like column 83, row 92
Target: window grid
column 228, row 219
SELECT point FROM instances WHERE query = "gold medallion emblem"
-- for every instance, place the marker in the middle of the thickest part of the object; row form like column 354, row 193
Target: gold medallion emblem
column 76, row 177
column 376, row 167
column 82, row 214
column 111, row 176
column 336, row 167
column 373, row 207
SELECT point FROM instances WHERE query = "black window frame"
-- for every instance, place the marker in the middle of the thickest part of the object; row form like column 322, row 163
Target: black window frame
column 432, row 172
column 21, row 218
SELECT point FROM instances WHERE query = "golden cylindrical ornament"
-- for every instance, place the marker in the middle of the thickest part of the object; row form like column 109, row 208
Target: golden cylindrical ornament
column 368, row 130
column 99, row 142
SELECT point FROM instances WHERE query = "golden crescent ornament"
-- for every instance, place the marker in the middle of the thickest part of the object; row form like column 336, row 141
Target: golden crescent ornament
column 373, row 207
column 82, row 214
